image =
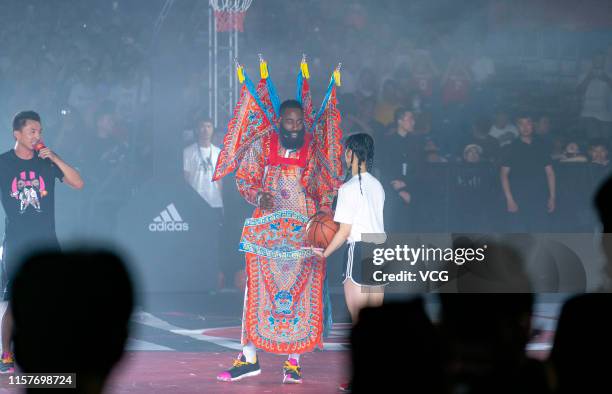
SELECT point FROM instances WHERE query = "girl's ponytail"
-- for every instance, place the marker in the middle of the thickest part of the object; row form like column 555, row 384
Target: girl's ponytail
column 362, row 146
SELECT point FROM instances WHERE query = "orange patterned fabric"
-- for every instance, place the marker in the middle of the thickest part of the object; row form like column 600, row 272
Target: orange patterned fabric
column 323, row 176
column 306, row 100
column 284, row 298
column 284, row 303
column 248, row 125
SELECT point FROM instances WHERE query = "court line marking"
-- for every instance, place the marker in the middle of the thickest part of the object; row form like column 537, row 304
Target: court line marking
column 151, row 320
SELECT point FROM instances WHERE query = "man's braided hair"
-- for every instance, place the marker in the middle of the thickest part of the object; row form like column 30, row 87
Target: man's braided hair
column 362, row 146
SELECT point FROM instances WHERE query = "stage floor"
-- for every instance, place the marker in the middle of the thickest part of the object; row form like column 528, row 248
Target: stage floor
column 179, row 347
column 194, row 372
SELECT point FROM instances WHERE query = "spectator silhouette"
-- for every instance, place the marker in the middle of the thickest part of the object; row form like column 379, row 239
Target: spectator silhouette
column 71, row 313
column 486, row 338
column 583, row 326
column 604, row 210
column 582, row 346
column 381, row 336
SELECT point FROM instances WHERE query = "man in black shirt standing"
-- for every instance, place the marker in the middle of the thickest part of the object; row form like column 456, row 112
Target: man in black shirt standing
column 402, row 153
column 27, row 184
column 528, row 179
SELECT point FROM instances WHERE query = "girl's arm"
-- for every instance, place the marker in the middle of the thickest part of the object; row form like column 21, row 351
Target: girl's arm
column 339, row 239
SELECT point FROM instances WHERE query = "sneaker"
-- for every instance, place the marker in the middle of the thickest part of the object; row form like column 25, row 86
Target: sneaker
column 7, row 364
column 292, row 372
column 240, row 370
column 345, row 387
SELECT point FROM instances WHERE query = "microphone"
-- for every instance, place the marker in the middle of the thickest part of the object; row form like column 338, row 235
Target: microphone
column 39, row 146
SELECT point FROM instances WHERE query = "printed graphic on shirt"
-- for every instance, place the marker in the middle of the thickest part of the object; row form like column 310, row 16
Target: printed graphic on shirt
column 29, row 188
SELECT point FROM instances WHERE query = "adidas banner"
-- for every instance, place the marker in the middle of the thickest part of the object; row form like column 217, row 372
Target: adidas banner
column 172, row 235
column 169, row 220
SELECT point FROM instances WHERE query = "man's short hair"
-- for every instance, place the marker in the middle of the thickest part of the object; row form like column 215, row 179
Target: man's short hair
column 289, row 104
column 400, row 112
column 22, row 117
column 523, row 115
column 198, row 119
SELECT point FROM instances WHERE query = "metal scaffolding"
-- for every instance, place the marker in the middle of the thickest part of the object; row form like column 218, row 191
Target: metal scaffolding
column 222, row 79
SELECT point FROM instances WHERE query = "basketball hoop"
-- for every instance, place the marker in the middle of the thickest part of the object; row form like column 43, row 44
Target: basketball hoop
column 229, row 14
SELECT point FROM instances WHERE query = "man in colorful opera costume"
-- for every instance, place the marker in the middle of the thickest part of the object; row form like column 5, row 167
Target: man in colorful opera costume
column 288, row 164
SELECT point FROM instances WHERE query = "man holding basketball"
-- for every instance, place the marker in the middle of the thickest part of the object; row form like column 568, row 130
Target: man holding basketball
column 283, row 174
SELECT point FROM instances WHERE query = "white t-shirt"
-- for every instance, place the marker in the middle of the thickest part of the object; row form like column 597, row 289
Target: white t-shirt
column 504, row 135
column 199, row 167
column 596, row 101
column 363, row 211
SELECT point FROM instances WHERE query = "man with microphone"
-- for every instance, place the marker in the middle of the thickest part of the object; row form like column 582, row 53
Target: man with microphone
column 28, row 171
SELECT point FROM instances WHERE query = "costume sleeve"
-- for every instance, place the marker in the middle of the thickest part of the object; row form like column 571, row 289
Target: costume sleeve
column 314, row 184
column 250, row 173
column 248, row 125
column 323, row 175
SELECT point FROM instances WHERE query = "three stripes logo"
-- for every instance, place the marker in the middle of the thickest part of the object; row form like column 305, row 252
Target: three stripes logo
column 168, row 220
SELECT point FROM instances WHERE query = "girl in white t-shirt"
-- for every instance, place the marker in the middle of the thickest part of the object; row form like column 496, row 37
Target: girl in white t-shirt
column 359, row 210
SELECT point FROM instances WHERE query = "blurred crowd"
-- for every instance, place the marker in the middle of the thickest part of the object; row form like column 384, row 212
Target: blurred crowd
column 449, row 108
column 84, row 68
column 450, row 111
column 443, row 83
column 444, row 111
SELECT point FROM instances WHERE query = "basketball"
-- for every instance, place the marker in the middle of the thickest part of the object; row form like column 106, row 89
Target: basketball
column 320, row 230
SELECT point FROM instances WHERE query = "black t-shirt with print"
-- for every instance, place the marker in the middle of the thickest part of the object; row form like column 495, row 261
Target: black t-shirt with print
column 28, row 198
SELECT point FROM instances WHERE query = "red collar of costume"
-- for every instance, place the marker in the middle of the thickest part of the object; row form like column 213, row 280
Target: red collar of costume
column 299, row 161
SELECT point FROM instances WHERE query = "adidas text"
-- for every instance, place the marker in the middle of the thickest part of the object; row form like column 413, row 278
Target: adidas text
column 168, row 220
column 169, row 226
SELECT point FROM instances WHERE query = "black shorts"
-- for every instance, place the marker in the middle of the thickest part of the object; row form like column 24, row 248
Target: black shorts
column 359, row 269
column 13, row 256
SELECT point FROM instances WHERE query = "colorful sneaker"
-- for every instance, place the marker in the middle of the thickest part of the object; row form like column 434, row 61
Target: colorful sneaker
column 240, row 370
column 292, row 372
column 7, row 364
column 345, row 387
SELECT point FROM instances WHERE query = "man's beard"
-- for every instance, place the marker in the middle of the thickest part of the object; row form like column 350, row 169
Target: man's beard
column 289, row 142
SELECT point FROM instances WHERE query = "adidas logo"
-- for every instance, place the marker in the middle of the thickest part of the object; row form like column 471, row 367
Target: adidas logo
column 168, row 220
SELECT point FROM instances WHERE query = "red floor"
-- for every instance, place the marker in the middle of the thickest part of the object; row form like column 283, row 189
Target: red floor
column 196, row 357
column 178, row 373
